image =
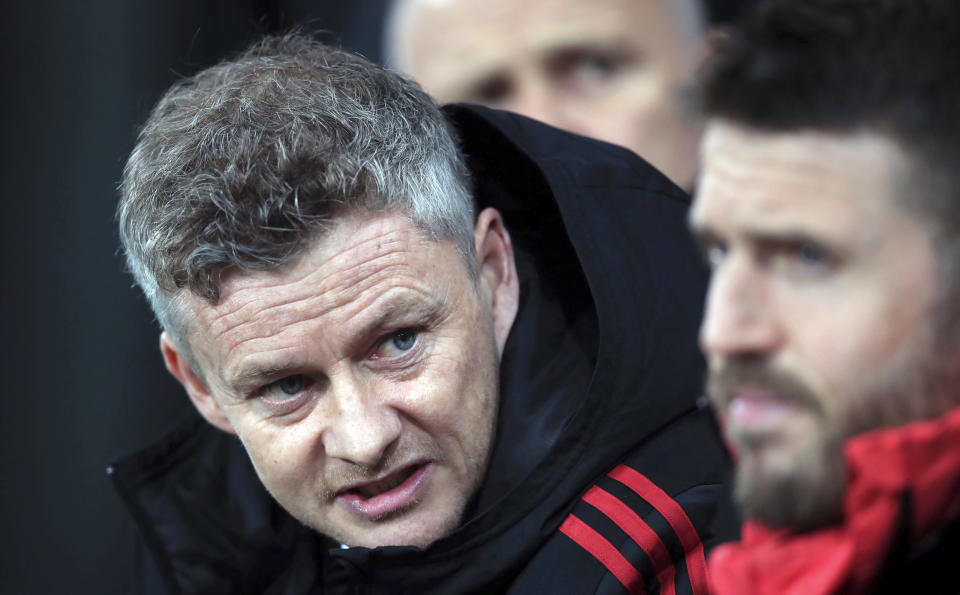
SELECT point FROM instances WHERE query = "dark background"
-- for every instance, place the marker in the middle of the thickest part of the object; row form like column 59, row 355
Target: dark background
column 82, row 380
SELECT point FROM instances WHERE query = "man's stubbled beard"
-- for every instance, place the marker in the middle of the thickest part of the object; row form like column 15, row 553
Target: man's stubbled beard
column 810, row 491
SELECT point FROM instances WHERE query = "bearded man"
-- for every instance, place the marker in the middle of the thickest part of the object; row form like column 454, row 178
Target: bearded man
column 829, row 211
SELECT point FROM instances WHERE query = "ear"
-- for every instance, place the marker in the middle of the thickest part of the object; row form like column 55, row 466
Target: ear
column 178, row 365
column 497, row 272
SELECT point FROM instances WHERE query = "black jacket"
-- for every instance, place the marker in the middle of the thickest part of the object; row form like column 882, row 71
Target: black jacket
column 601, row 374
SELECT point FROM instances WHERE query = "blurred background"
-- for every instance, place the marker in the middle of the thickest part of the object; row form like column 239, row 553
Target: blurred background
column 81, row 376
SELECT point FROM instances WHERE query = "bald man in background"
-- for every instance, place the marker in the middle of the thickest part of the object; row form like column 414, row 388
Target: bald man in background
column 606, row 68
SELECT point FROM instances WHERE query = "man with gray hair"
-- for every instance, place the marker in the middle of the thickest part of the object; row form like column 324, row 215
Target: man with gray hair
column 420, row 342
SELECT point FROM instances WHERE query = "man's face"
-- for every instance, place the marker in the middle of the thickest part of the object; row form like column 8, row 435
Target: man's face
column 361, row 378
column 819, row 320
column 606, row 68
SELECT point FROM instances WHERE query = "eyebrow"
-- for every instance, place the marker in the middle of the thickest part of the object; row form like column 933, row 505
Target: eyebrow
column 427, row 312
column 765, row 240
column 253, row 375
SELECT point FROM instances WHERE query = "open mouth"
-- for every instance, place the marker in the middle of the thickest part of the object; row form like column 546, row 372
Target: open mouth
column 386, row 484
column 390, row 495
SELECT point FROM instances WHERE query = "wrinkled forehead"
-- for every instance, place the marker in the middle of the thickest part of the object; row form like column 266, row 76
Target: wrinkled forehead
column 343, row 259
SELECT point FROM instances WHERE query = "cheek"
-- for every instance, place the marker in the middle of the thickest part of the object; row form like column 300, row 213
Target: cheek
column 843, row 347
column 863, row 336
column 456, row 400
column 453, row 391
column 637, row 98
column 280, row 455
column 642, row 114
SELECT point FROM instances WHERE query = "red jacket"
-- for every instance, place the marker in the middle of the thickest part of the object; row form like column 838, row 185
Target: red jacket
column 900, row 529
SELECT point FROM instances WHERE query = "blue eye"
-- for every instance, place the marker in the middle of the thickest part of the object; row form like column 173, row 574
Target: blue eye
column 404, row 339
column 802, row 259
column 291, row 385
column 395, row 346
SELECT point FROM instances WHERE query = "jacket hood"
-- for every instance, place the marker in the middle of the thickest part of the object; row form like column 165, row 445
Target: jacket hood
column 577, row 387
column 580, row 212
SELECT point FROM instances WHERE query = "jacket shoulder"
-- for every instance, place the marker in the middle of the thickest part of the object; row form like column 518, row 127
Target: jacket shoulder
column 203, row 521
column 648, row 522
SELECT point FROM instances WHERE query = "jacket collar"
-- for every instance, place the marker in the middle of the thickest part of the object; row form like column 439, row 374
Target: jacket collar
column 902, row 485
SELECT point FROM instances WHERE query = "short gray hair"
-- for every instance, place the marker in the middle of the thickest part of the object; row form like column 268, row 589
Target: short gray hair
column 243, row 164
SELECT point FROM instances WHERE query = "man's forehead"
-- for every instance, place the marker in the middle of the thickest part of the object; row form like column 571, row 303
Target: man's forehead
column 750, row 172
column 463, row 27
column 354, row 236
column 357, row 252
column 731, row 142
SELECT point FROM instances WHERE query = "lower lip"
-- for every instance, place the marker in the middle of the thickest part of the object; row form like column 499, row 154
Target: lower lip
column 390, row 501
column 754, row 411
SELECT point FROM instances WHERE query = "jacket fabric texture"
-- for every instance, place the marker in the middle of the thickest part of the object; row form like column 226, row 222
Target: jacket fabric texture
column 607, row 473
column 900, row 532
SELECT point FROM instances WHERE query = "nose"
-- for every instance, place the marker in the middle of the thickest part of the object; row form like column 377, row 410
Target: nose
column 740, row 318
column 363, row 427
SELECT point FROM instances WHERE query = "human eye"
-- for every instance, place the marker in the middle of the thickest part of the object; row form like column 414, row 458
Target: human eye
column 809, row 255
column 397, row 344
column 492, row 90
column 583, row 69
column 288, row 386
column 596, row 64
column 804, row 258
column 286, row 394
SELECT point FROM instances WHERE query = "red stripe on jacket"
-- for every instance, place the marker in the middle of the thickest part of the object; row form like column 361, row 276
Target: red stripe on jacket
column 678, row 520
column 603, row 550
column 639, row 532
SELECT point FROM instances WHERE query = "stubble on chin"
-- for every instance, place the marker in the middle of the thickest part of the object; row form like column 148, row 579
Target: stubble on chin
column 801, row 494
column 792, row 478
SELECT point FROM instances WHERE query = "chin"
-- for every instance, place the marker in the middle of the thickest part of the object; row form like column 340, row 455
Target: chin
column 403, row 531
column 800, row 490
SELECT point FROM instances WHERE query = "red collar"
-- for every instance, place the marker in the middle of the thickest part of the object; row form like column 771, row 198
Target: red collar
column 922, row 458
